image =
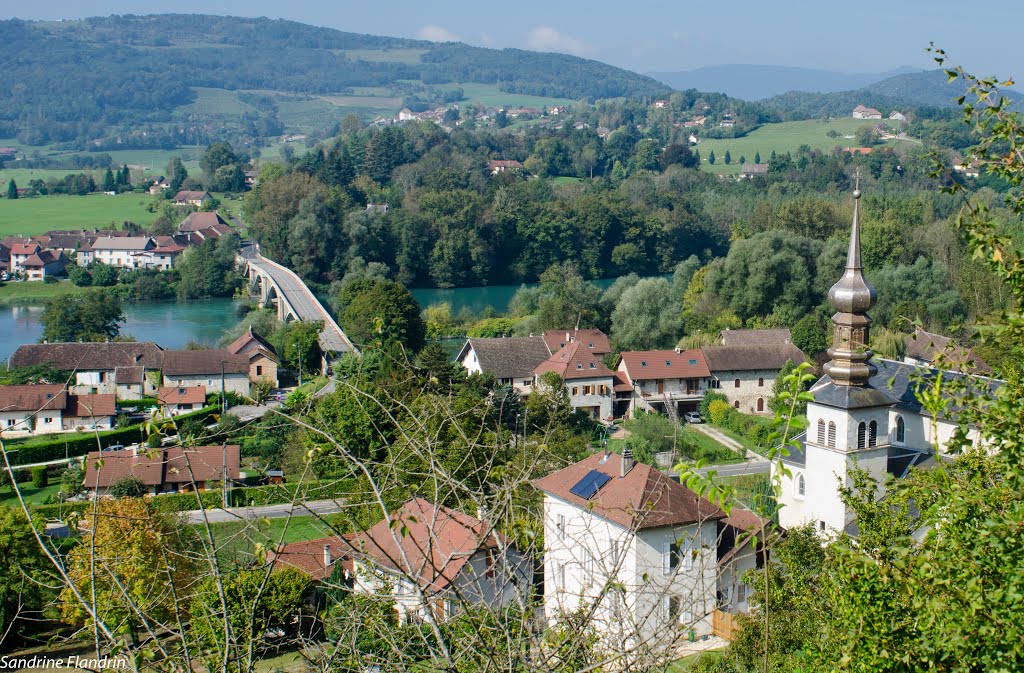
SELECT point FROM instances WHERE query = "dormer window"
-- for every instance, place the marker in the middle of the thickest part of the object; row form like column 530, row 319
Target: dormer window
column 692, row 362
column 49, row 396
column 181, row 391
column 579, row 365
column 668, row 363
column 590, row 345
column 643, row 363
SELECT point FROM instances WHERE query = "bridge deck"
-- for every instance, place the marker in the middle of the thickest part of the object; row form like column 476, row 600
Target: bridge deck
column 302, row 301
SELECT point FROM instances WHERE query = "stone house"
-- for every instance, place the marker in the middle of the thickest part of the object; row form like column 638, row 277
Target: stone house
column 510, row 360
column 263, row 360
column 129, row 369
column 746, row 374
column 210, row 368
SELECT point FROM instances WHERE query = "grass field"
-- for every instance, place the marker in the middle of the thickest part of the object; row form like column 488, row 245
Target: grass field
column 782, row 137
column 489, row 94
column 26, row 217
column 16, row 292
column 215, row 102
column 385, row 55
column 32, row 495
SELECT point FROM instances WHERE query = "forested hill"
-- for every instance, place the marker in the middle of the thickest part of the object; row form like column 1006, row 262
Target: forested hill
column 928, row 89
column 72, row 79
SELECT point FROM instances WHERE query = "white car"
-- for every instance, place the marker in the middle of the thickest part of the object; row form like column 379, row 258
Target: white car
column 692, row 417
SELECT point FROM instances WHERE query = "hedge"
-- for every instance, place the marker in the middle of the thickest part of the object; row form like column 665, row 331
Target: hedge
column 54, row 447
column 253, row 495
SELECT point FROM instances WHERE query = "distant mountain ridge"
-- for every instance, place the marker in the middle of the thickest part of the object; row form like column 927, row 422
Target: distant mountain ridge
column 757, row 82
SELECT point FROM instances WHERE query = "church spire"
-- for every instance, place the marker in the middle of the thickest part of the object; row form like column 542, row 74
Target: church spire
column 851, row 297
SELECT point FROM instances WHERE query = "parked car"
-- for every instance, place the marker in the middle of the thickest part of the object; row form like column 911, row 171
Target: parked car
column 692, row 417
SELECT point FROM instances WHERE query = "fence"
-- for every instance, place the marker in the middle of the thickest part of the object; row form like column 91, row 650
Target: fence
column 724, row 625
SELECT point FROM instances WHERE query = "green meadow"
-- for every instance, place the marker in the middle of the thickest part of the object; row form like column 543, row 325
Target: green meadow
column 782, row 137
column 30, row 216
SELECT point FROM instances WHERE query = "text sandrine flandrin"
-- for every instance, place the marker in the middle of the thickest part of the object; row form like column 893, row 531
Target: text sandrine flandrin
column 68, row 663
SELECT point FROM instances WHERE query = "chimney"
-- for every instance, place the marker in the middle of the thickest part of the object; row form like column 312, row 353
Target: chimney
column 327, row 556
column 627, row 461
column 568, row 338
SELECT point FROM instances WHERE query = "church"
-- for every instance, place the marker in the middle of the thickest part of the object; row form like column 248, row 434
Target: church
column 865, row 413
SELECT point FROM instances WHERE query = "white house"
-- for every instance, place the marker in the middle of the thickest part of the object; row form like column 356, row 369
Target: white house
column 44, row 408
column 129, row 369
column 606, row 520
column 125, row 252
column 510, row 360
column 865, row 413
column 432, row 560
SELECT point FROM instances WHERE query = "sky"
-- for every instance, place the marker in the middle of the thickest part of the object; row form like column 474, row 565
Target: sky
column 655, row 35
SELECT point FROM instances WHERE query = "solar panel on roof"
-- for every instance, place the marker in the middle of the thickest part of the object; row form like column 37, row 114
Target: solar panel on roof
column 590, row 484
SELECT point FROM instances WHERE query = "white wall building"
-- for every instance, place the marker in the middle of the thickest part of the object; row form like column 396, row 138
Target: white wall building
column 44, row 408
column 125, row 252
column 510, row 360
column 587, row 379
column 607, row 519
column 129, row 369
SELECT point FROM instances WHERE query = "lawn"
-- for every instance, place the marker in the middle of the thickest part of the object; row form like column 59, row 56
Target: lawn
column 13, row 292
column 708, row 446
column 30, row 216
column 783, row 137
column 746, row 486
column 489, row 94
column 32, row 495
column 409, row 56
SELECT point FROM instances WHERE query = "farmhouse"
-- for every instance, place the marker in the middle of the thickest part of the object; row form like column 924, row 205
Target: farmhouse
column 608, row 519
column 216, row 369
column 746, row 374
column 864, row 112
column 124, row 368
column 510, row 360
column 935, row 350
column 496, row 166
column 753, row 170
column 125, row 252
column 44, row 263
column 43, row 408
column 169, row 470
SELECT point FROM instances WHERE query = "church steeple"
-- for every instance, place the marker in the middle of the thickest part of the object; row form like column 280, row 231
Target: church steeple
column 851, row 297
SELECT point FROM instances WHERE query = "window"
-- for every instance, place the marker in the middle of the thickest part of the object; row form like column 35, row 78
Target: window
column 259, row 370
column 861, row 435
column 901, row 430
column 590, row 345
column 47, row 420
column 821, row 526
column 691, row 362
column 588, row 563
column 873, row 433
column 736, row 404
column 741, row 593
column 760, row 404
column 673, row 606
column 560, row 526
column 832, row 434
column 10, row 422
column 760, row 383
column 643, row 363
column 821, row 431
column 575, row 390
column 668, row 363
column 527, row 382
column 715, row 384
column 579, row 365
column 670, row 559
column 602, row 389
column 560, row 576
column 736, row 384
column 801, row 485
column 593, row 366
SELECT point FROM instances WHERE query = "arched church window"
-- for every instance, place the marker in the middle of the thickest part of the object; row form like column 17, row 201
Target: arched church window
column 801, row 485
column 821, row 431
column 861, row 435
column 832, row 434
column 760, row 404
column 873, row 433
column 901, row 430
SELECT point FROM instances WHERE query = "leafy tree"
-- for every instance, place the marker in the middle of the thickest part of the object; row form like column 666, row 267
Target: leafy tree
column 12, row 189
column 23, row 589
column 93, row 315
column 301, row 343
column 810, row 334
column 133, row 562
column 566, row 299
column 678, row 153
column 381, row 311
column 43, row 373
column 208, row 269
column 645, row 317
column 128, row 487
column 218, row 154
column 742, row 160
column 108, row 181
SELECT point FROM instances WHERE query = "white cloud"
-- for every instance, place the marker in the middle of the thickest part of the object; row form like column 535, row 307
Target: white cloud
column 437, row 34
column 545, row 38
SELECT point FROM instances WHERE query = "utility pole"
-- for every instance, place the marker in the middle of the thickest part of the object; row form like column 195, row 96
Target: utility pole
column 223, row 399
column 224, row 474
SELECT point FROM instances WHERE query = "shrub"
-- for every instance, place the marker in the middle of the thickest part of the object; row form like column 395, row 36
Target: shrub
column 718, row 410
column 128, row 487
column 709, row 397
column 40, row 478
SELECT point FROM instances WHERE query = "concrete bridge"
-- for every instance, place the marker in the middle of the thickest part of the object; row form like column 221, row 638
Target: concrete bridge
column 279, row 287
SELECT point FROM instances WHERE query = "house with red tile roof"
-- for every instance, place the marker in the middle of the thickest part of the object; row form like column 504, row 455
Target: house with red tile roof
column 44, row 263
column 167, row 470
column 432, row 560
column 609, row 519
column 263, row 360
column 44, row 408
column 20, row 253
column 595, row 340
column 178, row 400
column 586, row 378
column 496, row 166
column 192, row 198
column 665, row 381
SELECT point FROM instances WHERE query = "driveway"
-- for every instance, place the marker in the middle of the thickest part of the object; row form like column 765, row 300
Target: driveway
column 722, row 438
column 317, row 507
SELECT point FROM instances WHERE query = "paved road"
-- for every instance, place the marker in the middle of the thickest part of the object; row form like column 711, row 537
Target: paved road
column 320, row 507
column 302, row 300
column 722, row 438
column 736, row 469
